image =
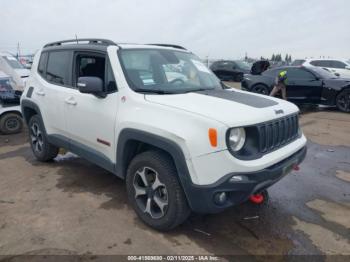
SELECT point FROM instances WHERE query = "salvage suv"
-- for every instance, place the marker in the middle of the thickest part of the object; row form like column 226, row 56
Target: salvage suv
column 157, row 117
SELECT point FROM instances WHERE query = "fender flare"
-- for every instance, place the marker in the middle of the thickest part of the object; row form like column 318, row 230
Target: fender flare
column 167, row 145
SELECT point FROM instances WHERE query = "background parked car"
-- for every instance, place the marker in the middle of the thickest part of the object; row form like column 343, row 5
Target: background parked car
column 338, row 66
column 304, row 85
column 12, row 67
column 10, row 113
column 230, row 70
column 298, row 62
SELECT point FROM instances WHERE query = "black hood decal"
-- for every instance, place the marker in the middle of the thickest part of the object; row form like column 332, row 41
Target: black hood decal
column 238, row 97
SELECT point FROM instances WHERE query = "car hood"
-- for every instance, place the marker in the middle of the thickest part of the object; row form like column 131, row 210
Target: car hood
column 230, row 107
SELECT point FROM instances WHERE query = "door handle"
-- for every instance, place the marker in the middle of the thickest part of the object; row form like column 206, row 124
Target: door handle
column 70, row 101
column 40, row 93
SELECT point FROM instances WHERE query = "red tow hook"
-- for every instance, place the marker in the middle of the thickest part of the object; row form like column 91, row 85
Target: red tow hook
column 296, row 167
column 257, row 198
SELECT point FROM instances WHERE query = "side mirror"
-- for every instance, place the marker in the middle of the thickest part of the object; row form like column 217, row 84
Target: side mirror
column 91, row 85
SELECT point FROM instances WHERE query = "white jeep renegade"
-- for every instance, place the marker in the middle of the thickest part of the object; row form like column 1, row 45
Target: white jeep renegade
column 155, row 116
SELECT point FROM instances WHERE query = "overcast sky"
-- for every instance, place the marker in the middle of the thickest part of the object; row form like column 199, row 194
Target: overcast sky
column 220, row 28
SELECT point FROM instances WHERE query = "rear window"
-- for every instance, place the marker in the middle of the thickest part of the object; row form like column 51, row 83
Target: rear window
column 59, row 67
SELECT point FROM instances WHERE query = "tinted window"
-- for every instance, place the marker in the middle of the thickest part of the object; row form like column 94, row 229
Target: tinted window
column 324, row 63
column 296, row 73
column 338, row 64
column 58, row 67
column 315, row 63
column 42, row 64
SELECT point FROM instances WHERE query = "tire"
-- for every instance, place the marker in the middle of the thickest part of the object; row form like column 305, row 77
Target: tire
column 260, row 89
column 343, row 101
column 11, row 123
column 42, row 149
column 160, row 201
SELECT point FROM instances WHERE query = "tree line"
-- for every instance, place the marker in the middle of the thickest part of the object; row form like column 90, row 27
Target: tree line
column 278, row 58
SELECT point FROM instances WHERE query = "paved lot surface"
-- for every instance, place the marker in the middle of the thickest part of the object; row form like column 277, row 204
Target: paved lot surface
column 70, row 206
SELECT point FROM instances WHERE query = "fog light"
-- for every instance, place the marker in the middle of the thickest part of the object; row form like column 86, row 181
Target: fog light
column 236, row 179
column 220, row 198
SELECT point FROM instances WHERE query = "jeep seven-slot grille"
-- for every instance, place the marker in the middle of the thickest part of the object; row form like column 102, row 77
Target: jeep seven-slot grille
column 275, row 134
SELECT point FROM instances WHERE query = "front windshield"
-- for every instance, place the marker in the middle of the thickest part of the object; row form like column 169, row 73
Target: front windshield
column 13, row 62
column 5, row 85
column 243, row 65
column 166, row 71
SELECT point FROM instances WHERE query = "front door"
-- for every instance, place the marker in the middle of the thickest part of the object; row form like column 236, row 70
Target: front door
column 303, row 86
column 91, row 119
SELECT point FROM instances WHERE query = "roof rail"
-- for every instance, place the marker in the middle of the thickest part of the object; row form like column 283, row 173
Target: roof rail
column 170, row 45
column 89, row 40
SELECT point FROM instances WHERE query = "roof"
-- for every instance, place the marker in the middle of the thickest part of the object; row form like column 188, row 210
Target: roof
column 101, row 45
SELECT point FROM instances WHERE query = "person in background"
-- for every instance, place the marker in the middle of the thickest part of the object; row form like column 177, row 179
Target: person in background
column 281, row 83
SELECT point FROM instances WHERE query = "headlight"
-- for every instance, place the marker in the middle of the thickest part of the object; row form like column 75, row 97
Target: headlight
column 236, row 138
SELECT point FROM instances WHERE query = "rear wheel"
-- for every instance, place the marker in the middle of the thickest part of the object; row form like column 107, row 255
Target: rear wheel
column 11, row 123
column 343, row 101
column 42, row 149
column 260, row 89
column 155, row 192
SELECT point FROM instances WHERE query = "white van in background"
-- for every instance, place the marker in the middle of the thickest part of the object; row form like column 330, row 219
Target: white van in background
column 338, row 66
column 12, row 67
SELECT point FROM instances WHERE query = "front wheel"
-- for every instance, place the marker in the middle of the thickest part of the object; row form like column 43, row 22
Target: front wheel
column 42, row 149
column 261, row 89
column 155, row 192
column 343, row 101
column 11, row 123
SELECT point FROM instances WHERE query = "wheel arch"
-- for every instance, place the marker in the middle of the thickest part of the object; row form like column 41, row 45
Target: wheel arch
column 132, row 142
column 11, row 111
column 29, row 109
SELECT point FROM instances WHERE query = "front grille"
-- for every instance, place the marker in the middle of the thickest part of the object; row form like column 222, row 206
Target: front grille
column 275, row 134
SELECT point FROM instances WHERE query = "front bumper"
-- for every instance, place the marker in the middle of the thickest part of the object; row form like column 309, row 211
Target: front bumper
column 201, row 198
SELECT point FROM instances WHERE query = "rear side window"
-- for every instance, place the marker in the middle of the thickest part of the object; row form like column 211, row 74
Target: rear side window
column 322, row 63
column 315, row 63
column 42, row 64
column 59, row 67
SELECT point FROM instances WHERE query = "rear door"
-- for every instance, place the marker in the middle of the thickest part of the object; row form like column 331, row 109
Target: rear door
column 91, row 119
column 303, row 86
column 52, row 85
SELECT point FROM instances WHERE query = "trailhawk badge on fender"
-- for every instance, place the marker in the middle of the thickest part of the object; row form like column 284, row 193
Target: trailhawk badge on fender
column 279, row 111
